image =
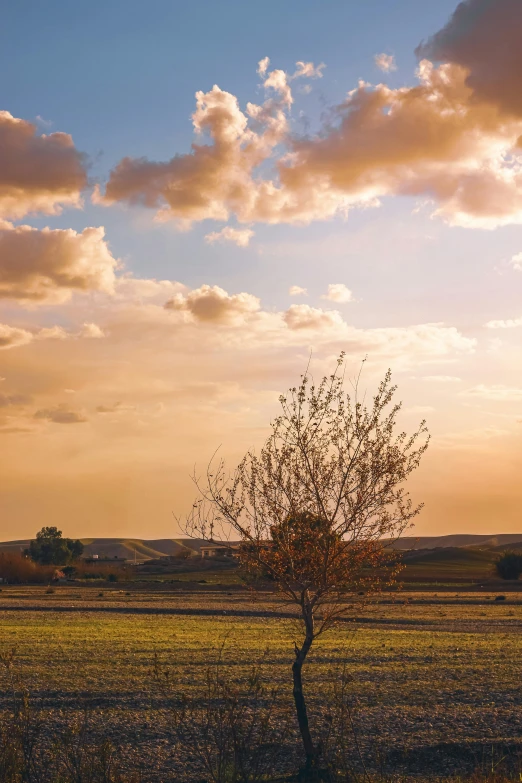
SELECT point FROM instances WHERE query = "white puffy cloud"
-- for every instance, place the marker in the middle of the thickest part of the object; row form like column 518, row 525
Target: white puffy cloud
column 305, row 317
column 48, row 265
column 516, row 262
column 509, row 323
column 338, row 292
column 297, row 290
column 37, row 173
column 385, row 62
column 262, row 66
column 308, row 70
column 91, row 331
column 238, row 236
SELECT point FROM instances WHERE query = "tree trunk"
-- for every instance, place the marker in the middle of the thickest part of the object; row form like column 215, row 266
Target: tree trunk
column 310, row 750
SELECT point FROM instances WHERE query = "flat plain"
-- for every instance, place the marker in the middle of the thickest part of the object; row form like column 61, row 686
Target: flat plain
column 435, row 677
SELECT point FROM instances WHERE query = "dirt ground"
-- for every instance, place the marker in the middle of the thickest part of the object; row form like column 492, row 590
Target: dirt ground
column 435, row 677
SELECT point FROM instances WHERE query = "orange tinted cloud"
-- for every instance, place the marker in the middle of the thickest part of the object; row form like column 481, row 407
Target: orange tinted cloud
column 12, row 337
column 451, row 139
column 483, row 37
column 238, row 236
column 430, row 140
column 213, row 304
column 37, row 173
column 48, row 265
column 61, row 414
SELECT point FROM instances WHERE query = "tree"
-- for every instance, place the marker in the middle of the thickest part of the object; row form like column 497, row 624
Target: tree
column 50, row 548
column 317, row 508
column 509, row 565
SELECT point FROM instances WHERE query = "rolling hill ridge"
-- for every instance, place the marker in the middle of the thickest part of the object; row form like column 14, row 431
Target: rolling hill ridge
column 150, row 549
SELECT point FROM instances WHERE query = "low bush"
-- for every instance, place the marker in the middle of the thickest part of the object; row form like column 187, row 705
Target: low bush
column 34, row 750
column 236, row 732
column 509, row 565
column 16, row 569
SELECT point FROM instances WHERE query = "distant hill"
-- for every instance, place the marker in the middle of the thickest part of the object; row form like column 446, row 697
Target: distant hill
column 499, row 541
column 124, row 547
column 449, row 563
column 152, row 549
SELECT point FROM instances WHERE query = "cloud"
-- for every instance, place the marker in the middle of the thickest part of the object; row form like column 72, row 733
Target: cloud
column 441, row 379
column 483, row 38
column 429, row 140
column 214, row 179
column 239, row 236
column 118, row 407
column 338, row 292
column 296, row 290
column 213, row 304
column 13, row 337
column 496, row 392
column 51, row 333
column 308, row 71
column 516, row 262
column 37, row 173
column 305, row 317
column 453, row 138
column 262, row 66
column 509, row 323
column 129, row 288
column 47, row 265
column 91, row 332
column 14, row 400
column 61, row 414
column 385, row 62
column 217, row 179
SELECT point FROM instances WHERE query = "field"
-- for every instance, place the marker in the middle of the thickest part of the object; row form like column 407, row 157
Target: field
column 436, row 676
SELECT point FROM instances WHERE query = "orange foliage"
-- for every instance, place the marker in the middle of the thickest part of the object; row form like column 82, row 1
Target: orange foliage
column 16, row 569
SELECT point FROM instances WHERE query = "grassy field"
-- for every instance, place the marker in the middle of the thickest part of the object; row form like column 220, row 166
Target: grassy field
column 437, row 678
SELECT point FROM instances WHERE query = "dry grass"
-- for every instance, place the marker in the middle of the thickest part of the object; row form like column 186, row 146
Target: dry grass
column 436, row 680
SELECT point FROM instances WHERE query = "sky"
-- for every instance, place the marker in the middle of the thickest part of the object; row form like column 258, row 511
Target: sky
column 196, row 197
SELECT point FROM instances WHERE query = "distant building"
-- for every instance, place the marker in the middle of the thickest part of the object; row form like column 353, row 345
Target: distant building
column 218, row 550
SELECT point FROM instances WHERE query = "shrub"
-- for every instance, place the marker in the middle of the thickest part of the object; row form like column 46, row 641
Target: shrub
column 509, row 565
column 35, row 750
column 234, row 732
column 17, row 569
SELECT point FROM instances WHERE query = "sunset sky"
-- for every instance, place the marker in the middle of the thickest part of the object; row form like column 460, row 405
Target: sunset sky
column 195, row 196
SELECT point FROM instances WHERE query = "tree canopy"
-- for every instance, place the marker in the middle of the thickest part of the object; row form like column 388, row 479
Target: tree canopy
column 50, row 548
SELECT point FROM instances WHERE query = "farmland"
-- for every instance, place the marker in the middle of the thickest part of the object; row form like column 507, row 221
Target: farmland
column 436, row 677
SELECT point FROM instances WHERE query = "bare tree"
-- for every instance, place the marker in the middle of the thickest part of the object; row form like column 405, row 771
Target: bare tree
column 316, row 509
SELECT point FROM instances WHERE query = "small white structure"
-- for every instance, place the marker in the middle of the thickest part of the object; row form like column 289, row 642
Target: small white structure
column 217, row 550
